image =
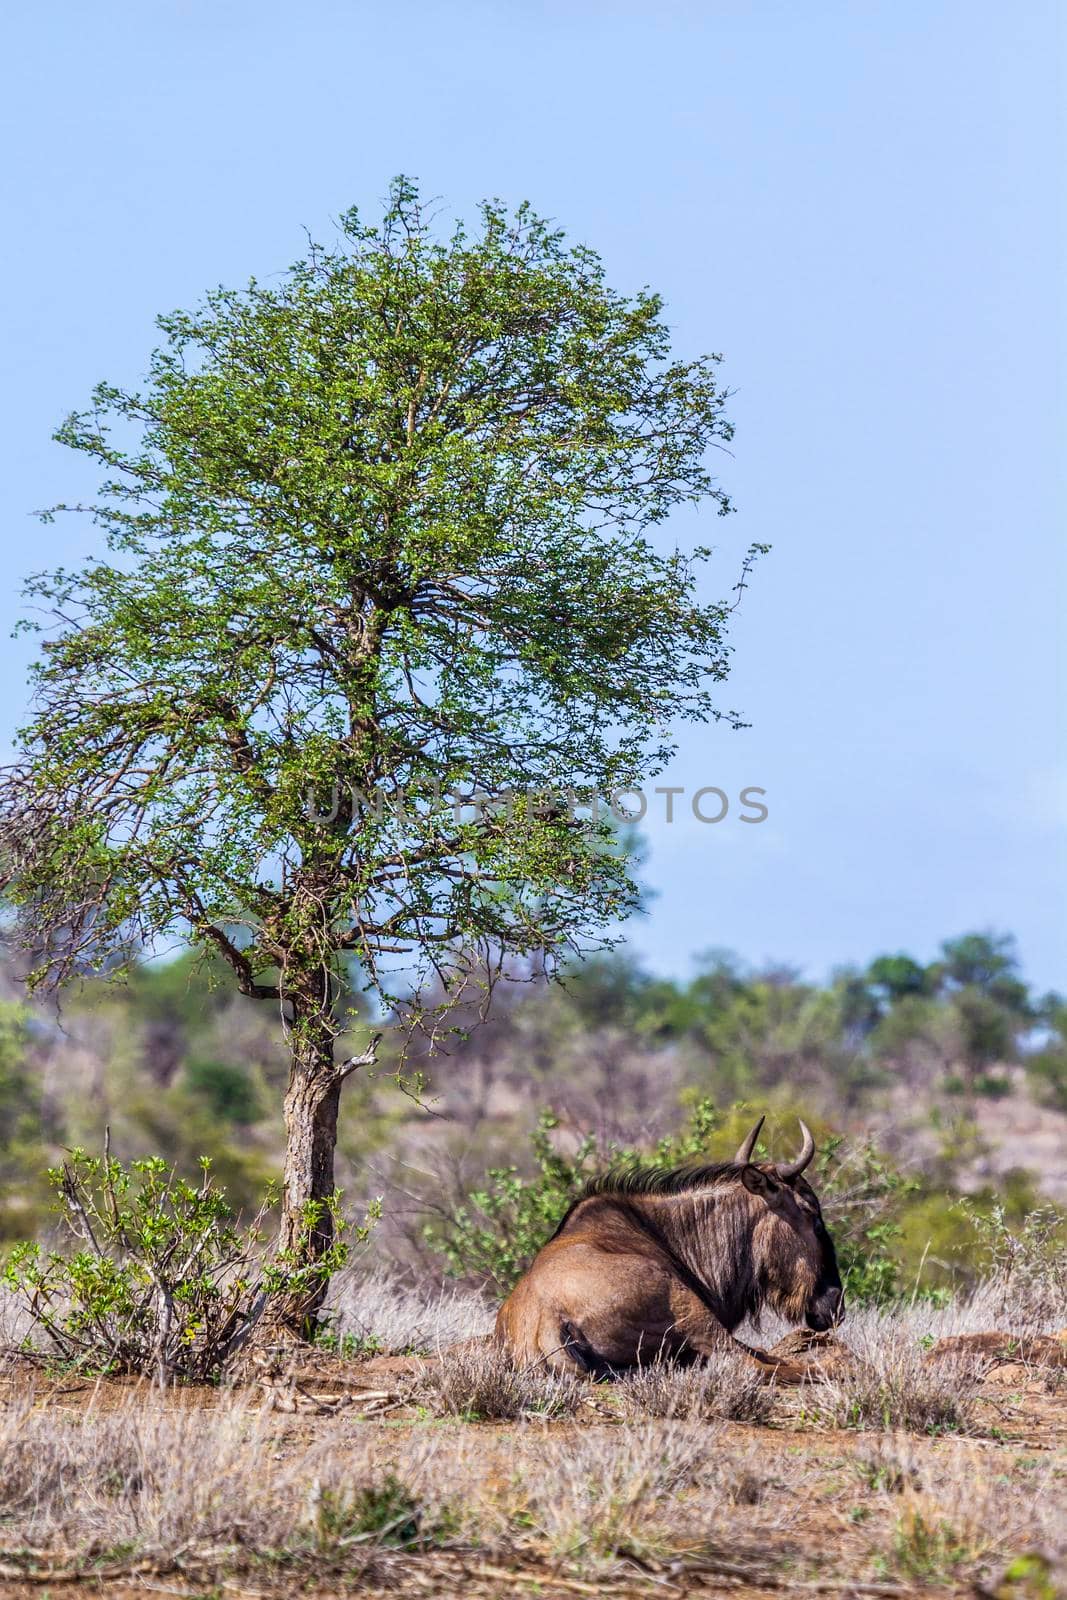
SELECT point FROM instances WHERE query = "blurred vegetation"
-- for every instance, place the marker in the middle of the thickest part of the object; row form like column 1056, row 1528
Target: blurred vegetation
column 898, row 1057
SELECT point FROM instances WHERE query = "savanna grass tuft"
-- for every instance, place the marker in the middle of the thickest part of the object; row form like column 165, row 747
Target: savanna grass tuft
column 481, row 1383
column 724, row 1388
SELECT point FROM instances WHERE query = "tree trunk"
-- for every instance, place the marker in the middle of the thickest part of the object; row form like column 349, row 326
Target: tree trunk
column 307, row 1220
column 307, row 1226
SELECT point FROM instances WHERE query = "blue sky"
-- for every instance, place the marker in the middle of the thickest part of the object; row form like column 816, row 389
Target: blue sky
column 860, row 204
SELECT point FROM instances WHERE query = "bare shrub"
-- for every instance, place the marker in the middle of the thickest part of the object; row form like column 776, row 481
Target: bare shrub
column 891, row 1386
column 725, row 1388
column 480, row 1382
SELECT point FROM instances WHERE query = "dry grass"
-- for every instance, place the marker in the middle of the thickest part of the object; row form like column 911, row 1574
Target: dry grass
column 141, row 1482
column 957, row 1517
column 893, row 1386
column 992, row 1303
column 137, row 1478
column 642, row 1482
column 481, row 1383
column 726, row 1389
column 348, row 1504
column 375, row 1309
column 86, row 1489
column 609, row 1492
column 16, row 1325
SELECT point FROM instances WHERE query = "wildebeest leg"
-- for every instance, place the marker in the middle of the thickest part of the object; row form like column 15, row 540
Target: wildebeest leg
column 695, row 1330
column 699, row 1332
column 581, row 1352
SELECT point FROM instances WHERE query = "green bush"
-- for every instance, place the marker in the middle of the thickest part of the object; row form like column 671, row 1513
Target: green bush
column 22, row 1147
column 496, row 1234
column 165, row 1281
column 863, row 1196
column 1047, row 1074
column 225, row 1089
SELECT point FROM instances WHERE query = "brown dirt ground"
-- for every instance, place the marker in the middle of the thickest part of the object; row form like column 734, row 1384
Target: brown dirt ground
column 1024, row 1418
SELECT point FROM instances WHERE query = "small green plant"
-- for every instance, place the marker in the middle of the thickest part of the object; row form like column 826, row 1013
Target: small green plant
column 166, row 1281
column 349, row 1346
column 883, row 1473
column 1027, row 1259
column 1029, row 1577
column 926, row 1550
column 382, row 1513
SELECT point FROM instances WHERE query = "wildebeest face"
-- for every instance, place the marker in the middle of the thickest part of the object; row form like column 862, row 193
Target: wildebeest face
column 793, row 1255
column 827, row 1305
column 793, row 1252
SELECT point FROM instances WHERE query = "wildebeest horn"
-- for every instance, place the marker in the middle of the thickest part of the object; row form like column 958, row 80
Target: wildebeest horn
column 793, row 1169
column 746, row 1147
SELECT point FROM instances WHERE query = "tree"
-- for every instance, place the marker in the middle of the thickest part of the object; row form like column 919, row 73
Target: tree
column 988, row 1032
column 990, row 1004
column 896, row 977
column 987, row 962
column 379, row 532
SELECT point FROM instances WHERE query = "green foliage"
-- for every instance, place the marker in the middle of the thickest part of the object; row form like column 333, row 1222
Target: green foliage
column 225, row 1089
column 1027, row 1255
column 165, row 1281
column 22, row 1125
column 352, row 1346
column 184, row 988
column 378, row 539
column 863, row 1196
column 987, row 1030
column 1047, row 1072
column 752, row 1030
column 504, row 1222
column 987, row 962
column 498, row 1231
column 928, row 1551
column 898, row 976
column 16, row 1093
column 1046, row 1067
column 383, row 1513
column 752, row 1026
column 1030, row 1576
column 612, row 1036
column 608, row 990
column 377, row 527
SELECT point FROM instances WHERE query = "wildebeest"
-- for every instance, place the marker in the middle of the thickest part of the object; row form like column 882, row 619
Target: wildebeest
column 664, row 1263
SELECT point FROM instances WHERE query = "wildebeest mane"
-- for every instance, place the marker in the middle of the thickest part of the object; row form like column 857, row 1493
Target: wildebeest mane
column 628, row 1178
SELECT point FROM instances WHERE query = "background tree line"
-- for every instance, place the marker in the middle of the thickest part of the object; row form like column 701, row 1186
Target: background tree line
column 178, row 1065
